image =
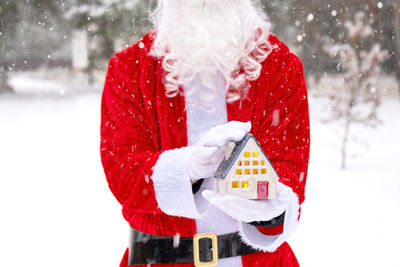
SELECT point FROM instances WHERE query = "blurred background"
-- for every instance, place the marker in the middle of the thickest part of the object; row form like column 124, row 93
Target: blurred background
column 55, row 205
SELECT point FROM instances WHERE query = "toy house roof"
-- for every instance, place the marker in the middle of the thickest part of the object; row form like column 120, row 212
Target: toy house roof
column 228, row 163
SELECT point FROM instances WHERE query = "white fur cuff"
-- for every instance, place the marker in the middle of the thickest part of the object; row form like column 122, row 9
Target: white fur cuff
column 254, row 238
column 172, row 184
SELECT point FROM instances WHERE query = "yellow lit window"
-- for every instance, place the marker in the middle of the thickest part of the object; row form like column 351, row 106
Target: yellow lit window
column 263, row 171
column 239, row 163
column 255, row 154
column 235, row 184
column 262, row 162
column 247, row 154
column 245, row 184
column 255, row 162
column 255, row 171
column 246, row 163
column 238, row 171
column 247, row 171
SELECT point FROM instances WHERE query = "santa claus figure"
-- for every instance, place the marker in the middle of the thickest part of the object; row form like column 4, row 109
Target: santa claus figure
column 209, row 73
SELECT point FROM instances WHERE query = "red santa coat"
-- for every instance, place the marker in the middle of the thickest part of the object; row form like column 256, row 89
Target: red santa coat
column 139, row 123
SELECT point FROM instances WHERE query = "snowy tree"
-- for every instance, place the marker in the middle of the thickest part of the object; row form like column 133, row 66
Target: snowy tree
column 110, row 20
column 396, row 23
column 32, row 34
column 301, row 24
column 40, row 34
column 8, row 19
column 111, row 25
column 357, row 99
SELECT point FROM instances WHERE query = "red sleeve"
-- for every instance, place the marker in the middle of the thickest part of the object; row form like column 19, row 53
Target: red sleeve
column 284, row 130
column 128, row 145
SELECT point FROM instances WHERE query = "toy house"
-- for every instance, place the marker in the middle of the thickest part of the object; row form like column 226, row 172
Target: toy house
column 246, row 171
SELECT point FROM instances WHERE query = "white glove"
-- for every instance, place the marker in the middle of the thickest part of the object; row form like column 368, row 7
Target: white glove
column 210, row 149
column 246, row 210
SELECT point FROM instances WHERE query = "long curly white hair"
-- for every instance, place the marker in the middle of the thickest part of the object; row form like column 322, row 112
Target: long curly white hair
column 203, row 37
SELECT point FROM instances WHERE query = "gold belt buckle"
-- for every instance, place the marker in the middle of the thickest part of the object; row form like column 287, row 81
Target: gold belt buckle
column 214, row 249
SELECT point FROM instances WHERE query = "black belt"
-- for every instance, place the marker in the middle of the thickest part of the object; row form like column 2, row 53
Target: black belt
column 202, row 249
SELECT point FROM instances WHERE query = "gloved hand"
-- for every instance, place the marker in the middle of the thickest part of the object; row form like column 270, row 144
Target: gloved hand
column 247, row 210
column 210, row 149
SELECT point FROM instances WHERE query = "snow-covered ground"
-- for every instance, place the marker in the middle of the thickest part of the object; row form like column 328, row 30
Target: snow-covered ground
column 51, row 82
column 351, row 217
column 56, row 208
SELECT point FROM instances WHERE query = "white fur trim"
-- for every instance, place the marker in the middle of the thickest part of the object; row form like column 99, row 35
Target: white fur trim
column 172, row 183
column 254, row 238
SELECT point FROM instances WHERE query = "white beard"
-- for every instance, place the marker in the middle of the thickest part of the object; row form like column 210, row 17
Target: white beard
column 202, row 37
